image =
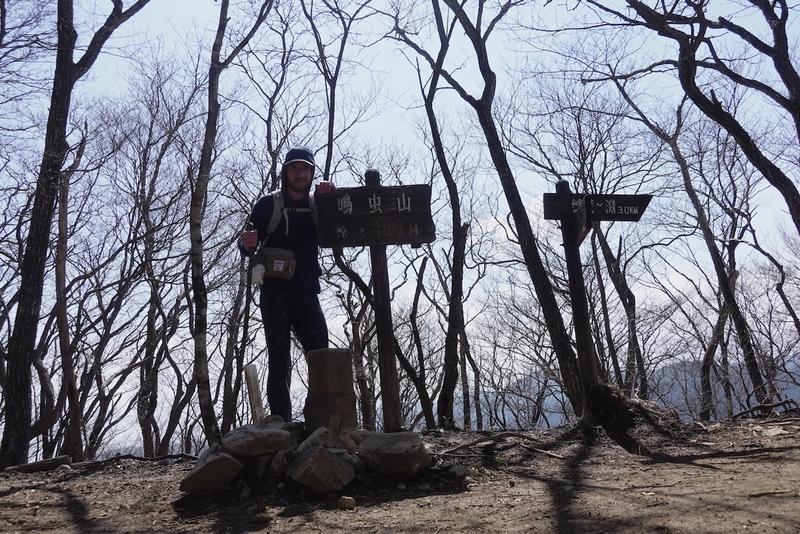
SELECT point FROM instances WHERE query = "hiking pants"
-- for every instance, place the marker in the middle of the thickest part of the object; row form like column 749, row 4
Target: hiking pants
column 283, row 311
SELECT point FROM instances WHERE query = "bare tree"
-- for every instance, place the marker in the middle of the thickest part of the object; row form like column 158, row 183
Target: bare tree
column 15, row 441
column 699, row 57
column 218, row 63
column 345, row 14
column 723, row 276
column 166, row 101
column 27, row 35
column 478, row 33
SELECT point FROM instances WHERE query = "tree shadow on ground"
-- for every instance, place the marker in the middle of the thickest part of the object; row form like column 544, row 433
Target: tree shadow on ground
column 634, row 429
column 641, row 432
column 76, row 507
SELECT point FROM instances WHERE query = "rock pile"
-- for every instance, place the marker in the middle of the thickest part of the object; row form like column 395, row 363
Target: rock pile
column 322, row 462
column 324, row 454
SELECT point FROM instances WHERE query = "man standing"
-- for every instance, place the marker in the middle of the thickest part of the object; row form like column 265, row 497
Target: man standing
column 293, row 302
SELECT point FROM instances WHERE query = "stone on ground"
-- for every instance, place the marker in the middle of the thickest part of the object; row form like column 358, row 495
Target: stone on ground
column 323, row 437
column 213, row 471
column 346, row 503
column 320, row 470
column 278, row 464
column 396, row 453
column 256, row 440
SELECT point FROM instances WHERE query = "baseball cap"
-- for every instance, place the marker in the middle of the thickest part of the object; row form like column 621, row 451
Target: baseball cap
column 299, row 153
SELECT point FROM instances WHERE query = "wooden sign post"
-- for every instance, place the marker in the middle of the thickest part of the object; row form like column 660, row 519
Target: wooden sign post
column 577, row 213
column 377, row 216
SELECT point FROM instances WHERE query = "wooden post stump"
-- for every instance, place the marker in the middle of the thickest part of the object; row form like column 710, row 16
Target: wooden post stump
column 331, row 400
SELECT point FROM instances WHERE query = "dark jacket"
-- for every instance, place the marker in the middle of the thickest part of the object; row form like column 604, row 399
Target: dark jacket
column 296, row 232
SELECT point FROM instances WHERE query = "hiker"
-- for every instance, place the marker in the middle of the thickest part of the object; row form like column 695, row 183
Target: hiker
column 284, row 244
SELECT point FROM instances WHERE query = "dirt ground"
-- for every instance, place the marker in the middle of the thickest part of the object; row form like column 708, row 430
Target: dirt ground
column 735, row 477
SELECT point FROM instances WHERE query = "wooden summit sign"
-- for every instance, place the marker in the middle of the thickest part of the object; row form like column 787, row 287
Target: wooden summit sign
column 375, row 215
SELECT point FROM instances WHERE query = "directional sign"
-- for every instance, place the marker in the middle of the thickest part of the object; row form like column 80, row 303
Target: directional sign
column 375, row 215
column 601, row 207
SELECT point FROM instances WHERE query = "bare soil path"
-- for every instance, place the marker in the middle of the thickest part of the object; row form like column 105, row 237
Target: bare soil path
column 740, row 477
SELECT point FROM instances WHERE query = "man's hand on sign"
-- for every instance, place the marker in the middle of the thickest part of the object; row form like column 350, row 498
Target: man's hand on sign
column 249, row 240
column 325, row 187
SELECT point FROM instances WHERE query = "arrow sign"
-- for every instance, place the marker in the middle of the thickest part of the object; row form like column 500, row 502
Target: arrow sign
column 601, row 207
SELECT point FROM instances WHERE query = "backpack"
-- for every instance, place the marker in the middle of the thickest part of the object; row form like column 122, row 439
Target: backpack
column 279, row 210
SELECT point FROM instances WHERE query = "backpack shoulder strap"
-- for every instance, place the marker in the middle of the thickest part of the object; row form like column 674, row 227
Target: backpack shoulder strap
column 277, row 212
column 278, row 208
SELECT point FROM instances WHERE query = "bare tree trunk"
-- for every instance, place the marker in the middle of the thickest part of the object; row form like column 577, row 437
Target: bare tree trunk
column 74, row 439
column 15, row 441
column 634, row 360
column 455, row 318
column 182, row 397
column 612, row 349
column 147, row 395
column 465, row 392
column 232, row 376
column 365, row 392
column 476, row 387
column 199, row 192
column 420, row 378
column 706, row 392
column 725, row 378
column 455, row 325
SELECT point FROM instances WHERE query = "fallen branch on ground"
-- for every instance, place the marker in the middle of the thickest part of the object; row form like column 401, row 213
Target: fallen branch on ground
column 496, row 438
column 42, row 465
column 765, row 407
column 541, row 451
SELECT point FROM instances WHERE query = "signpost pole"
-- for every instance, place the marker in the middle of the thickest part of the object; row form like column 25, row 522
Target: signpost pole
column 390, row 390
column 577, row 291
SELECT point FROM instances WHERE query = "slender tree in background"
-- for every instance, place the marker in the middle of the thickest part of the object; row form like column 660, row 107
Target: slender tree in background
column 455, row 316
column 199, row 191
column 723, row 276
column 15, row 442
column 74, row 441
column 158, row 190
